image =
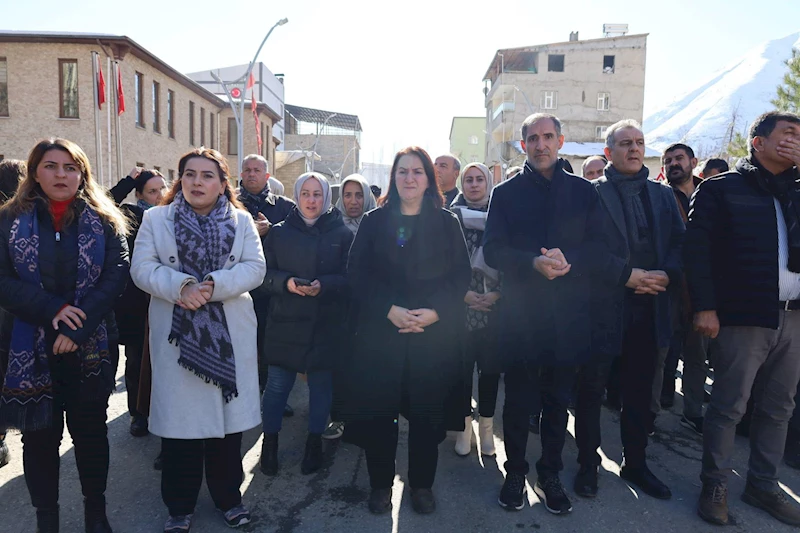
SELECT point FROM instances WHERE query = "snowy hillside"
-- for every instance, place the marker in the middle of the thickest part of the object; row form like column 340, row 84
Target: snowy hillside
column 702, row 117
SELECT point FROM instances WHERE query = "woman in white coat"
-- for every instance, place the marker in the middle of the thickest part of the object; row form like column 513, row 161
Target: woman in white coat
column 199, row 255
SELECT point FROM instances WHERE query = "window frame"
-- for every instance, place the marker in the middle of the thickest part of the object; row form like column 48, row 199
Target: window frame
column 191, row 123
column 603, row 101
column 551, row 67
column 156, row 106
column 212, row 133
column 232, row 150
column 4, row 60
column 138, row 95
column 553, row 97
column 202, row 126
column 171, row 113
column 61, row 99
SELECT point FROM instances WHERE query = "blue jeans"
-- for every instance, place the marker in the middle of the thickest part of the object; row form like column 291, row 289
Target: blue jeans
column 279, row 384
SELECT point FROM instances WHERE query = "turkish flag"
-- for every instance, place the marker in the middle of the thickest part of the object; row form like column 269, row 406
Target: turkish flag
column 101, row 85
column 254, row 108
column 250, row 81
column 120, row 93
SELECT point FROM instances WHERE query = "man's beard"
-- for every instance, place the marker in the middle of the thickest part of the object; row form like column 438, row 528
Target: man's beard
column 678, row 179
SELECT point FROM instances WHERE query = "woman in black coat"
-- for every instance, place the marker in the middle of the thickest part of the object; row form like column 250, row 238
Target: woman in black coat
column 408, row 271
column 63, row 263
column 306, row 265
column 131, row 308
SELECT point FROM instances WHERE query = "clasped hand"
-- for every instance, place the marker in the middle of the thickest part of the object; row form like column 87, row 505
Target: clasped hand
column 648, row 281
column 196, row 295
column 481, row 302
column 73, row 317
column 304, row 290
column 551, row 264
column 412, row 320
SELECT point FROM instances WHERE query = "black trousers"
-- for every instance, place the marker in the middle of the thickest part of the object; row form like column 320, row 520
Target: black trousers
column 86, row 421
column 637, row 371
column 133, row 373
column 182, row 475
column 522, row 384
column 592, row 379
column 381, row 448
column 480, row 346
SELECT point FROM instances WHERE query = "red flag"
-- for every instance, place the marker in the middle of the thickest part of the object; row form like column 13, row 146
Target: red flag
column 120, row 93
column 254, row 108
column 250, row 81
column 101, row 85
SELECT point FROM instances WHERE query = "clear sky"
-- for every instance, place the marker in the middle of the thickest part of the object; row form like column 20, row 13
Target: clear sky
column 406, row 68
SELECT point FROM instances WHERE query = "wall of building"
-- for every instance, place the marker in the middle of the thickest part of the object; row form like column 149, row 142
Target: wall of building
column 462, row 132
column 338, row 153
column 33, row 86
column 288, row 175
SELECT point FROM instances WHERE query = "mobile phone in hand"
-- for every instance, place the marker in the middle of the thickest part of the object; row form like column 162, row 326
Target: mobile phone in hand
column 302, row 282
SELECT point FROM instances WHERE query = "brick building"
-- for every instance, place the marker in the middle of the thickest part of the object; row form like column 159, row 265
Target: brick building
column 47, row 90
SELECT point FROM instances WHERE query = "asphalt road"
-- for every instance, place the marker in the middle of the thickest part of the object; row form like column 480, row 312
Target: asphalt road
column 334, row 499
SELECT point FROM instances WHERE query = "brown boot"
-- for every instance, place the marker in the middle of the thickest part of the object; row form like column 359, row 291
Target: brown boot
column 774, row 502
column 713, row 503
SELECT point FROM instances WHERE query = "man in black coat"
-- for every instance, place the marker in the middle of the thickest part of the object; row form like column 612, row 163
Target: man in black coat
column 545, row 233
column 636, row 320
column 267, row 209
column 742, row 259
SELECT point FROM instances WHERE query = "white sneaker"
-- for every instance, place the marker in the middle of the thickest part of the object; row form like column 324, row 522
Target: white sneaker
column 486, row 436
column 464, row 439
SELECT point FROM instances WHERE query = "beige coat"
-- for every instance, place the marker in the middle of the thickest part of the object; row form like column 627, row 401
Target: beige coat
column 182, row 405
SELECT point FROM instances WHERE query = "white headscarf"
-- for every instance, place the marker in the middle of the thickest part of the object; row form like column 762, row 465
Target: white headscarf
column 369, row 201
column 326, row 195
column 483, row 202
column 473, row 216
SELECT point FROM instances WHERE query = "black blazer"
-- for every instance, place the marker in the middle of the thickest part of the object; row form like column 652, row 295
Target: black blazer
column 668, row 233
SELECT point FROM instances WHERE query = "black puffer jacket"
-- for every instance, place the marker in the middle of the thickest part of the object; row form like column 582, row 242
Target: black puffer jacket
column 305, row 333
column 58, row 267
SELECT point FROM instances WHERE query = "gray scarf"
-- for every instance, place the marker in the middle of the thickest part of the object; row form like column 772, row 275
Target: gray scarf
column 629, row 189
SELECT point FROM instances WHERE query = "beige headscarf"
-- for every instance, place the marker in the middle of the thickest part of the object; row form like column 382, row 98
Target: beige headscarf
column 369, row 201
column 473, row 216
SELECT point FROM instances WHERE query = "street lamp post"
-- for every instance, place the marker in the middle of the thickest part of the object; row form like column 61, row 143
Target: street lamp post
column 238, row 114
column 319, row 132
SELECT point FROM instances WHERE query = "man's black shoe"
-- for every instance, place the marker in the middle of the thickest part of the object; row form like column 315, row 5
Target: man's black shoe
column 512, row 495
column 647, row 481
column 552, row 494
column 94, row 511
column 380, row 501
column 586, row 482
column 139, row 426
column 422, row 501
column 774, row 502
column 712, row 506
column 533, row 423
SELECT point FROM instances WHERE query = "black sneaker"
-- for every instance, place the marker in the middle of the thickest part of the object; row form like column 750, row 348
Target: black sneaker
column 512, row 495
column 586, row 482
column 422, row 501
column 774, row 502
column 693, row 423
column 551, row 492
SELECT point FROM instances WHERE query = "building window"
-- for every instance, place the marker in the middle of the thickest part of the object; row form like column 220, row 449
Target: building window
column 191, row 123
column 602, row 102
column 599, row 132
column 202, row 127
column 608, row 64
column 233, row 137
column 68, row 81
column 156, row 107
column 555, row 62
column 171, row 114
column 171, row 175
column 549, row 100
column 212, row 129
column 3, row 88
column 138, row 94
column 473, row 139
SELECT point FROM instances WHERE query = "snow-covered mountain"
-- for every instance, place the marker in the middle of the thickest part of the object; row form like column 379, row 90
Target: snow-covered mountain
column 738, row 93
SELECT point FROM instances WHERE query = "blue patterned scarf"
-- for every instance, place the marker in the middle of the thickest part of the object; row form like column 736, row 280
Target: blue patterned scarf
column 144, row 205
column 27, row 395
column 204, row 243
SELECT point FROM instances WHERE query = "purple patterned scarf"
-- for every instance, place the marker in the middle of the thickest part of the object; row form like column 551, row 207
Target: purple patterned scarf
column 204, row 243
column 27, row 395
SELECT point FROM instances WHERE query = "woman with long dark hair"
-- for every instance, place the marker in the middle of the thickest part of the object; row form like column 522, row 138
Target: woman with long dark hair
column 408, row 271
column 63, row 263
column 198, row 256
